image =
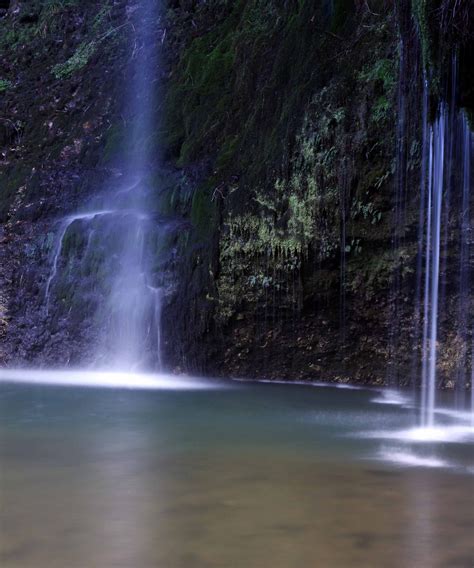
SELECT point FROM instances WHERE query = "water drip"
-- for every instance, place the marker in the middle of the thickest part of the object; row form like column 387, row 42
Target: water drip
column 64, row 227
column 399, row 215
column 464, row 258
column 419, row 335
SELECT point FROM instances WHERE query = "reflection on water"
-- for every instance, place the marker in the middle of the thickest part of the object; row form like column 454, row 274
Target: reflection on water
column 246, row 476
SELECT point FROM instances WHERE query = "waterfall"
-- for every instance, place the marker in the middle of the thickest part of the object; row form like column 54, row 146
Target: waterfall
column 449, row 143
column 435, row 190
column 121, row 230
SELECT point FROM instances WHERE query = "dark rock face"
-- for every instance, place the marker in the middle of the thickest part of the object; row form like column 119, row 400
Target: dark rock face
column 309, row 118
column 298, row 256
column 54, row 123
column 289, row 138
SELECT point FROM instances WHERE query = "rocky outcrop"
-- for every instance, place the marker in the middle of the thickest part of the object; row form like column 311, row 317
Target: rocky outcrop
column 305, row 121
column 288, row 146
column 60, row 73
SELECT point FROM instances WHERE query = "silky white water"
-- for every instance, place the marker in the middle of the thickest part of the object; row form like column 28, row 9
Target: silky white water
column 116, row 274
column 102, row 379
column 453, row 134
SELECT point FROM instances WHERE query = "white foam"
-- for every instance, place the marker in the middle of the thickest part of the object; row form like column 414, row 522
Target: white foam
column 445, row 434
column 103, row 379
column 345, row 386
column 457, row 414
column 317, row 384
column 410, row 459
column 391, row 397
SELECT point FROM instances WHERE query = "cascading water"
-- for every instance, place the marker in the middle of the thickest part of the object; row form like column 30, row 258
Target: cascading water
column 65, row 225
column 114, row 243
column 448, row 139
column 430, row 333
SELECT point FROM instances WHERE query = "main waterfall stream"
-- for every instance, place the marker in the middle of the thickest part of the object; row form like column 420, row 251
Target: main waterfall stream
column 112, row 242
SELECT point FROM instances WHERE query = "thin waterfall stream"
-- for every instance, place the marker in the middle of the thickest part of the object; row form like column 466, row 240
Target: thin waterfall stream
column 453, row 133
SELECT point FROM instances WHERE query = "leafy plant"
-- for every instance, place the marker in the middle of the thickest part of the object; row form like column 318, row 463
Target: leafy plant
column 88, row 47
column 5, row 85
column 367, row 211
column 79, row 60
column 81, row 56
column 355, row 247
column 384, row 71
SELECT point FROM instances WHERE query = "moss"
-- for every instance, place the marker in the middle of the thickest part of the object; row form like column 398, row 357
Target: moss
column 470, row 117
column 13, row 36
column 445, row 29
column 258, row 254
column 227, row 153
column 369, row 271
column 204, row 93
column 383, row 71
column 45, row 17
column 288, row 153
column 102, row 31
column 5, row 85
column 204, row 211
column 76, row 62
column 211, row 106
column 114, row 142
column 382, row 74
column 420, row 12
column 10, row 186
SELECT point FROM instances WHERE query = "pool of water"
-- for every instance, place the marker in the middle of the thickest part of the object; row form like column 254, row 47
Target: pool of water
column 184, row 473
